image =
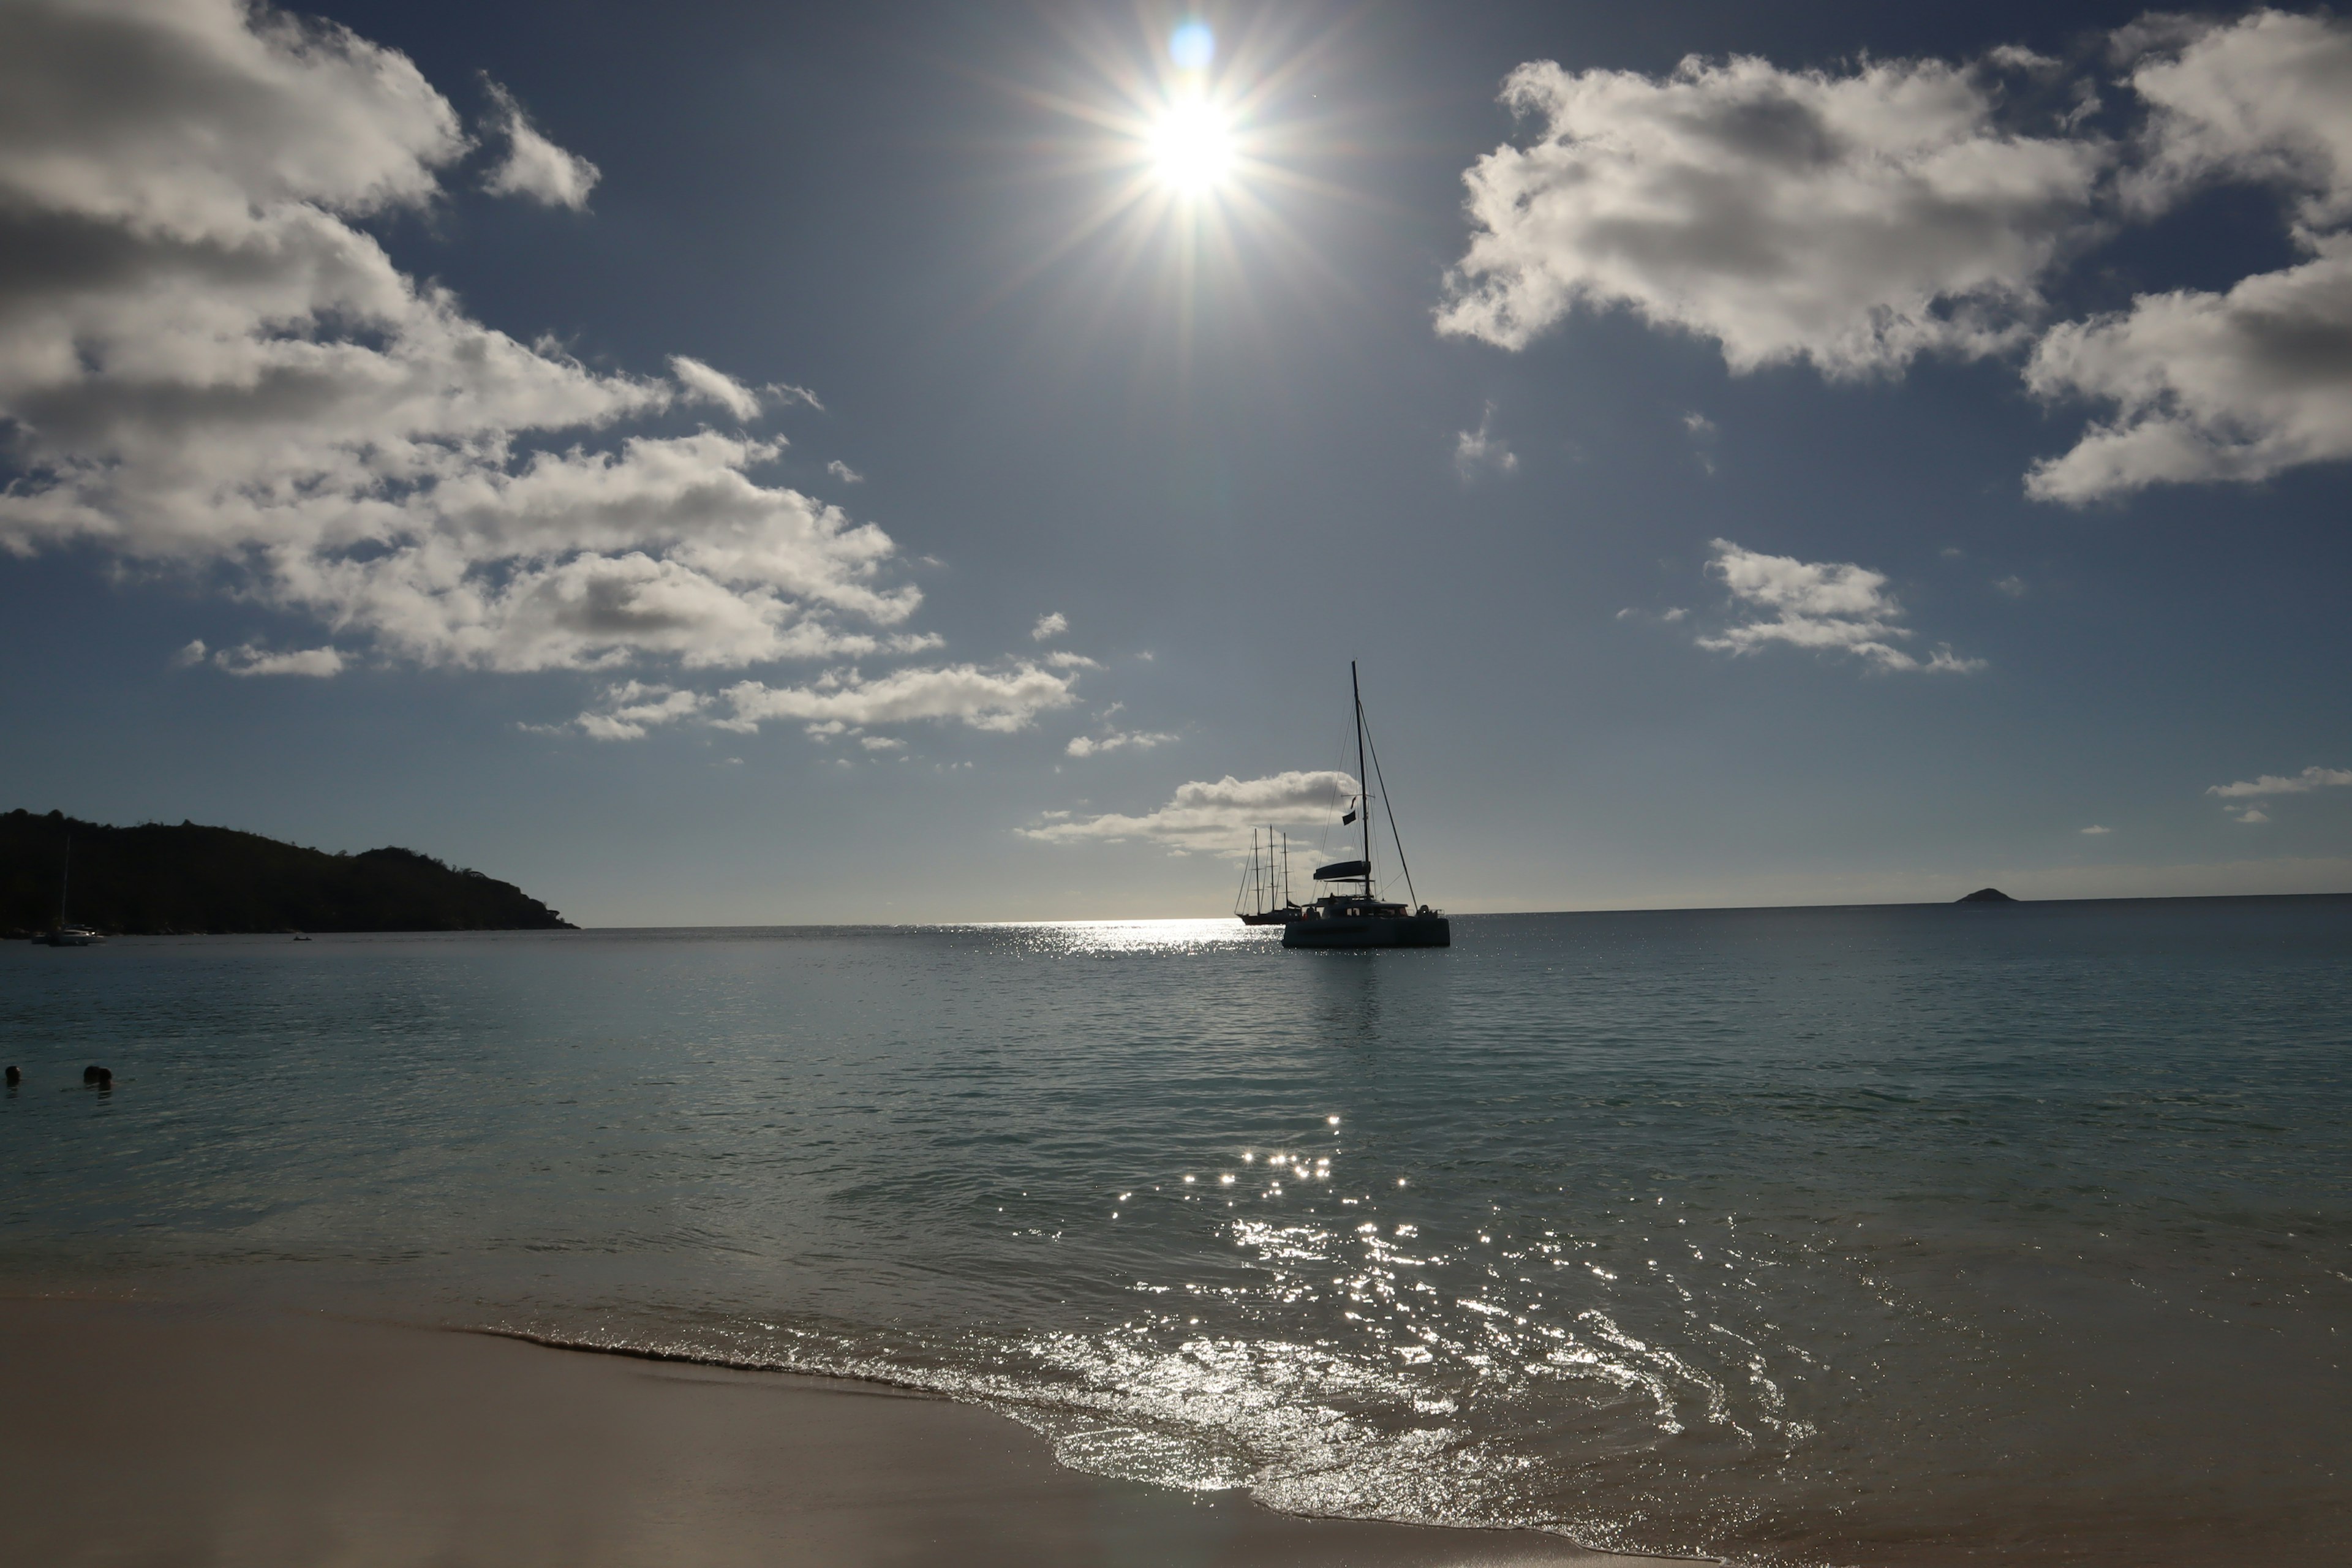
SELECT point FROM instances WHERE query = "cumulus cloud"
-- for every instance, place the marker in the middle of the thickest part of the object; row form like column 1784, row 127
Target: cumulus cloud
column 845, row 473
column 1049, row 626
column 2095, row 831
column 2303, row 782
column 1481, row 450
column 2011, row 587
column 839, row 702
column 2242, row 383
column 533, row 165
column 1852, row 220
column 1004, row 700
column 704, row 385
column 248, row 659
column 631, row 707
column 1829, row 606
column 2237, row 385
column 2266, row 98
column 1116, row 740
column 1202, row 816
column 206, row 363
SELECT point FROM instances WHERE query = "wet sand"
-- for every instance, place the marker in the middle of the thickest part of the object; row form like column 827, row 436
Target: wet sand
column 162, row 1435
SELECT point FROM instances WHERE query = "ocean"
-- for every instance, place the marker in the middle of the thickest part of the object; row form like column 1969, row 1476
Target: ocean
column 1845, row 1235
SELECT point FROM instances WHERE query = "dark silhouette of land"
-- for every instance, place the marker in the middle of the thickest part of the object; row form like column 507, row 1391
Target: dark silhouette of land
column 157, row 879
column 1985, row 896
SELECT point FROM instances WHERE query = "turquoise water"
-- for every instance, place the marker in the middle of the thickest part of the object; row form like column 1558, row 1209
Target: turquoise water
column 1845, row 1235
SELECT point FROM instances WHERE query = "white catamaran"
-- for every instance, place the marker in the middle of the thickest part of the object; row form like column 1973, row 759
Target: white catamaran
column 1361, row 918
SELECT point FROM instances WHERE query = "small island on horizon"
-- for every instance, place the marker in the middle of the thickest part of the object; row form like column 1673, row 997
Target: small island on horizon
column 1985, row 896
column 160, row 879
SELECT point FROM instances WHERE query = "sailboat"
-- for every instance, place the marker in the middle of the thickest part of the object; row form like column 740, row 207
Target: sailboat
column 1265, row 881
column 1361, row 918
column 64, row 935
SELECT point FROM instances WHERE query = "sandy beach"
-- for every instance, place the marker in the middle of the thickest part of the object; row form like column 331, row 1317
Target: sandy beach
column 163, row 1434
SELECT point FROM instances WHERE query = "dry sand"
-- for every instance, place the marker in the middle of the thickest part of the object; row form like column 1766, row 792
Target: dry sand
column 161, row 1435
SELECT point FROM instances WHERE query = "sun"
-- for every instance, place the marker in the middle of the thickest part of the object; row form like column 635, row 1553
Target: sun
column 1191, row 146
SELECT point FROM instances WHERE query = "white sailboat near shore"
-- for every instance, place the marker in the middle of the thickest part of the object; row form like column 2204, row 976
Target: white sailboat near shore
column 1362, row 917
column 65, row 934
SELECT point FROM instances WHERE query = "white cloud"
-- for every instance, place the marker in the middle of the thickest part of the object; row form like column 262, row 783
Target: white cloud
column 840, row 702
column 189, row 657
column 1851, row 220
column 845, row 473
column 2243, row 383
column 2094, row 830
column 2205, row 386
column 2251, row 815
column 1049, row 626
column 881, row 742
column 2303, row 782
column 1830, row 606
column 248, row 659
column 535, row 167
column 2012, row 586
column 1002, row 701
column 704, row 385
column 1116, row 740
column 205, row 365
column 1202, row 816
column 1479, row 450
column 632, row 707
column 1854, row 220
column 2266, row 98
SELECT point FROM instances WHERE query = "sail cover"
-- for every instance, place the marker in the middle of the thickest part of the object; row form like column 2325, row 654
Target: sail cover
column 1341, row 871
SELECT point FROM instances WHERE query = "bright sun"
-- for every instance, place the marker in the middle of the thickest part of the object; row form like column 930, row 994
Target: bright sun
column 1191, row 146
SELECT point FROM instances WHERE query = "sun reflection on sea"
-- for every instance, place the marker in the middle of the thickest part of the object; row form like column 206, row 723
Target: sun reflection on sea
column 1084, row 938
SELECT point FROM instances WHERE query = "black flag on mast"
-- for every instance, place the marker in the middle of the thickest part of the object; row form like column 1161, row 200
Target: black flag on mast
column 1350, row 818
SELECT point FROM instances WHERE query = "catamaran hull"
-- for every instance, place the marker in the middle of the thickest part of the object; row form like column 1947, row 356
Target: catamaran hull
column 1370, row 930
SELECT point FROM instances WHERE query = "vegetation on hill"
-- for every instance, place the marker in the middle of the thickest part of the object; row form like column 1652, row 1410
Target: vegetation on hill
column 158, row 880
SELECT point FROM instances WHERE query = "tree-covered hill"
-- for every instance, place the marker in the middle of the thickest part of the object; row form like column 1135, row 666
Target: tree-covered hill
column 160, row 879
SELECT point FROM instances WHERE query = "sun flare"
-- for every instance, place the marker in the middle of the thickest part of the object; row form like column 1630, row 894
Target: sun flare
column 1192, row 147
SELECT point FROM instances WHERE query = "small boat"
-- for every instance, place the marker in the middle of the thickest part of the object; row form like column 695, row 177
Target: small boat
column 1362, row 917
column 65, row 934
column 1262, row 882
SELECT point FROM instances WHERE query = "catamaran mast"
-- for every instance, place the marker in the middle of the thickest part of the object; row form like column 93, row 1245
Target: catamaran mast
column 1364, row 804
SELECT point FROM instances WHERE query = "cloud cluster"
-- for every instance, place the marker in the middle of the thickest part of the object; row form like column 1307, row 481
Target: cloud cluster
column 840, row 702
column 1482, row 451
column 1828, row 606
column 534, row 166
column 1210, row 816
column 248, row 659
column 1856, row 220
column 208, row 365
column 1115, row 741
column 2303, row 782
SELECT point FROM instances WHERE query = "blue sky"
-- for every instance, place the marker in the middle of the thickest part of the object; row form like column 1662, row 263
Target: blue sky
column 735, row 464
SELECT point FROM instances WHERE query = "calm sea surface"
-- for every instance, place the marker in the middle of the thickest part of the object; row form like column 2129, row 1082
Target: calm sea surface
column 1850, row 1236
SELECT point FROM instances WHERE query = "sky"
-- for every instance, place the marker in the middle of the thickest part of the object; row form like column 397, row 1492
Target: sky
column 733, row 463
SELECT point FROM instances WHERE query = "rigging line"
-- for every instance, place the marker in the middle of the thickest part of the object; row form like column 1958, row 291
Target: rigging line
column 1390, row 807
column 1245, row 875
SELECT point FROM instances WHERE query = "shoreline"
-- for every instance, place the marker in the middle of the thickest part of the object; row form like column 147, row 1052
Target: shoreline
column 168, row 1432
